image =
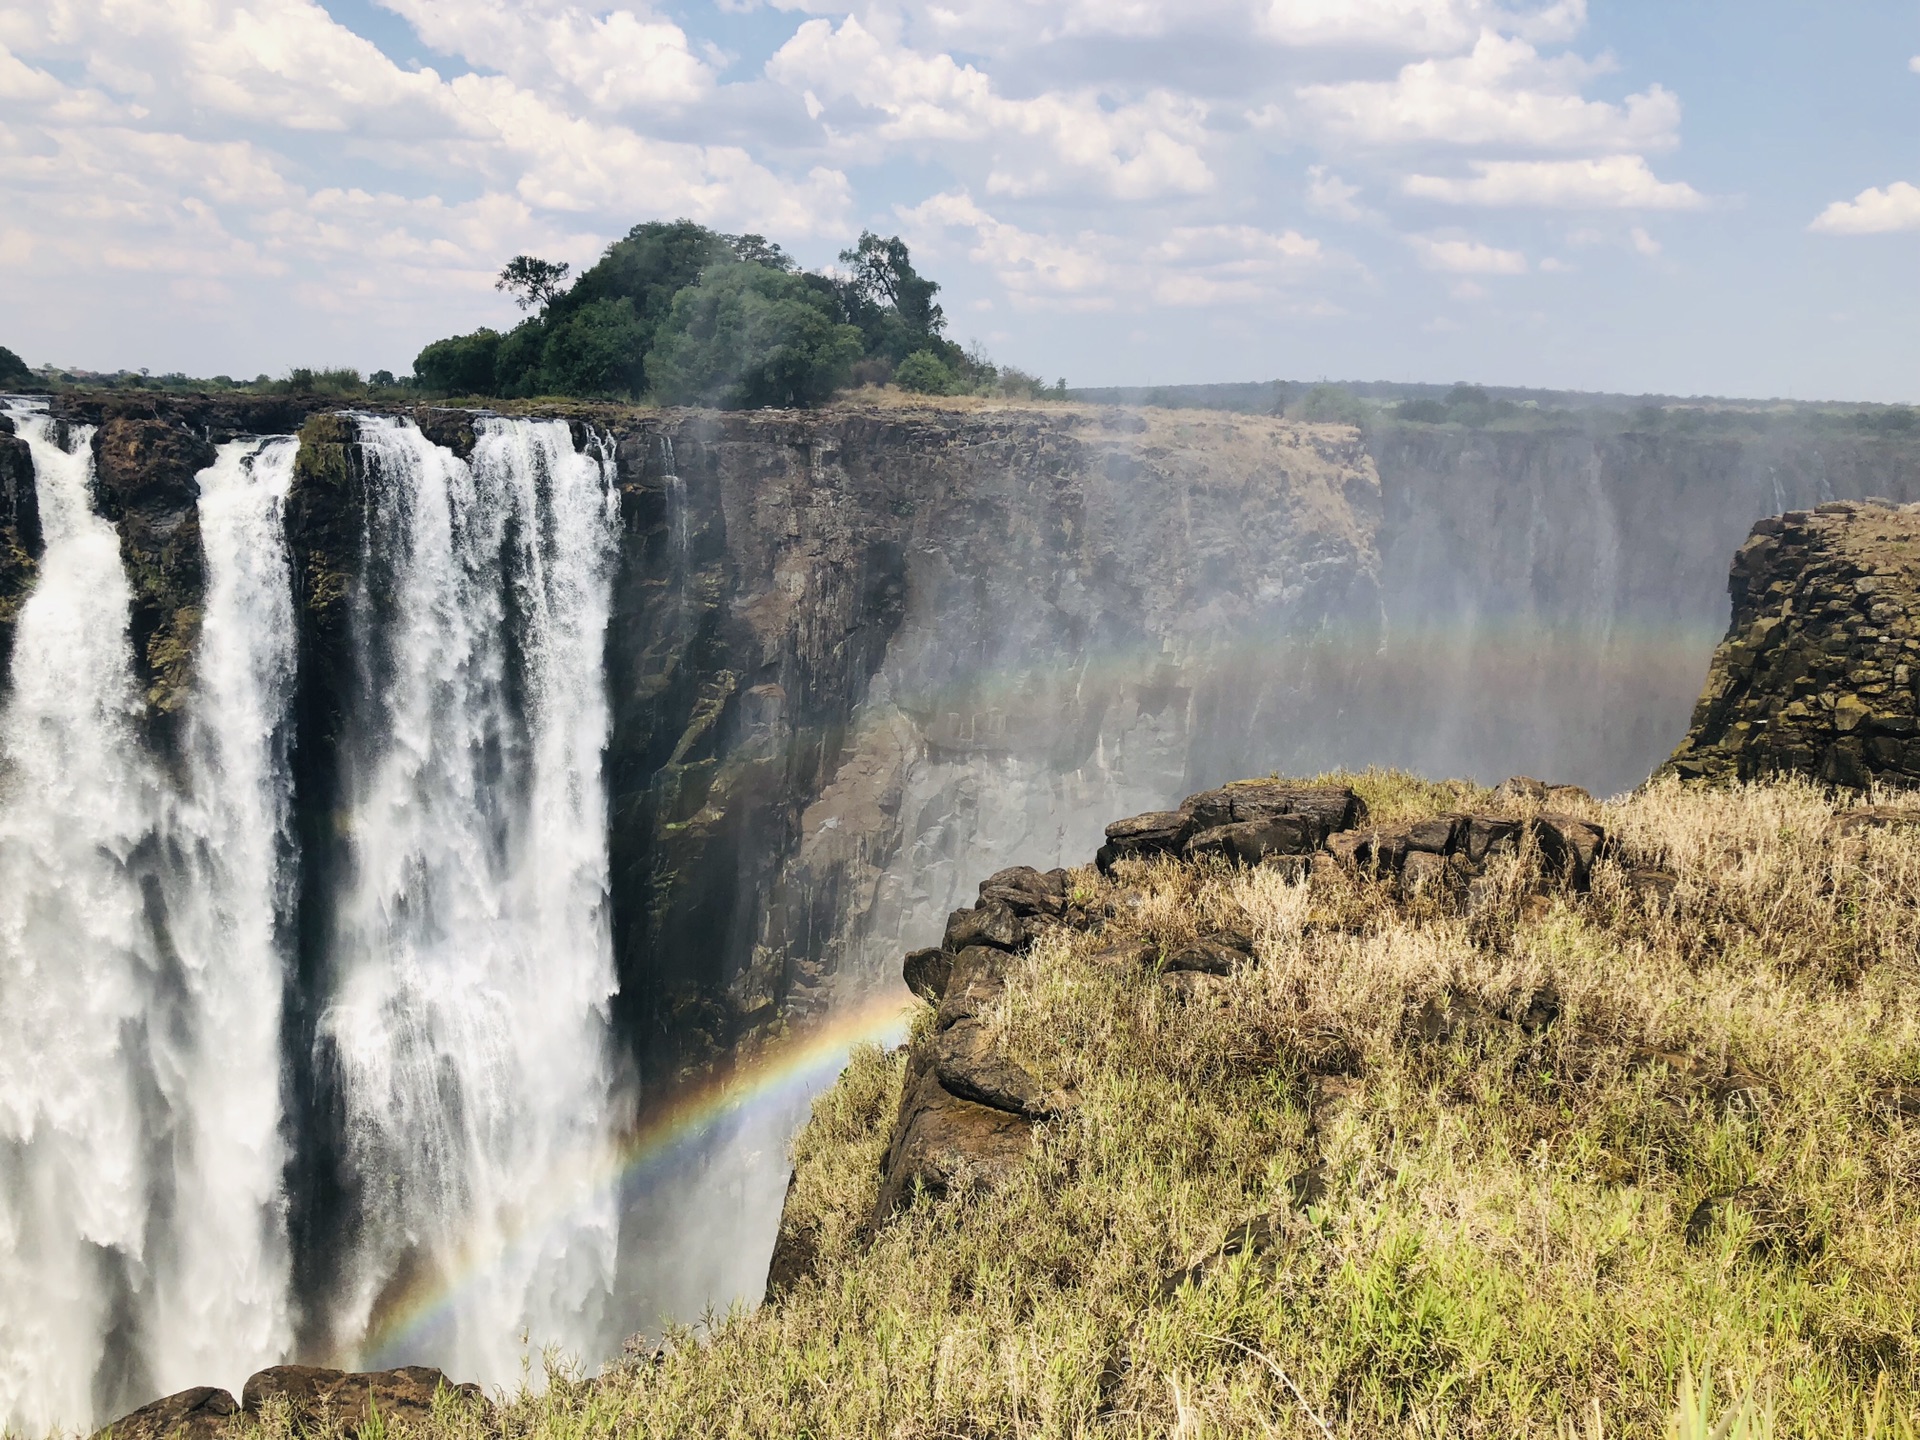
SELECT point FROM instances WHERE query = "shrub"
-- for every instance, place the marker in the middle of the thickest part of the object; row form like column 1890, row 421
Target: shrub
column 749, row 335
column 922, row 373
column 459, row 365
column 13, row 370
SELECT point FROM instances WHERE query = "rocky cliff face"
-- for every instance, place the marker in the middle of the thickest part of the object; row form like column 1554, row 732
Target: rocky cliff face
column 864, row 656
column 1817, row 673
column 20, row 545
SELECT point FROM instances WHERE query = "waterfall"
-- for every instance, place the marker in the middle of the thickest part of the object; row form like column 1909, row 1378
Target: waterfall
column 75, row 958
column 220, row 1289
column 467, row 1023
column 142, row 1241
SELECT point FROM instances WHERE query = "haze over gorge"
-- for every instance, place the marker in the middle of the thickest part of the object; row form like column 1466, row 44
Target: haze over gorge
column 402, row 806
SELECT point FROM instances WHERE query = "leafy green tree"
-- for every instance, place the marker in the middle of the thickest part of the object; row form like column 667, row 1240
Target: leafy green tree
column 459, row 365
column 749, row 335
column 532, row 281
column 892, row 303
column 13, row 370
column 923, row 373
column 596, row 349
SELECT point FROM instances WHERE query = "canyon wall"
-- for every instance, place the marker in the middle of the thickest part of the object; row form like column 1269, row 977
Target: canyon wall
column 857, row 659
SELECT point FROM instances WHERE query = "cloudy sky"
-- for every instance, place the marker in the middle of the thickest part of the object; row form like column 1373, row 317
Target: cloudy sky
column 1690, row 196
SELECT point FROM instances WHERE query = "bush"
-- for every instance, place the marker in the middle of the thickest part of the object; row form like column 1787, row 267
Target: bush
column 595, row 350
column 459, row 365
column 13, row 370
column 923, row 373
column 749, row 335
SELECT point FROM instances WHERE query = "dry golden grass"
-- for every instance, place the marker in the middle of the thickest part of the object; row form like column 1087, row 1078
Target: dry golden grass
column 1513, row 1120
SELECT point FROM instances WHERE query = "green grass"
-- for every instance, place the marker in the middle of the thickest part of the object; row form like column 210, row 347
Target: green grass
column 1502, row 1245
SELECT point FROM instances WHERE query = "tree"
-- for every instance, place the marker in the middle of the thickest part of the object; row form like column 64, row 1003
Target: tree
column 13, row 370
column 923, row 373
column 747, row 335
column 758, row 250
column 458, row 365
column 532, row 281
column 595, row 350
column 892, row 303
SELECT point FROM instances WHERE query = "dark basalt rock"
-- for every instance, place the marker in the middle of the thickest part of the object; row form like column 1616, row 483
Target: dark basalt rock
column 1211, row 955
column 145, row 477
column 314, row 1395
column 20, row 541
column 201, row 1413
column 1247, row 822
column 943, row 1144
column 1450, row 850
column 988, row 923
column 1817, row 673
column 926, row 973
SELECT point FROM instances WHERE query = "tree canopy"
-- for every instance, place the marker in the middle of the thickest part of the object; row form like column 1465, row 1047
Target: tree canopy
column 688, row 315
column 13, row 370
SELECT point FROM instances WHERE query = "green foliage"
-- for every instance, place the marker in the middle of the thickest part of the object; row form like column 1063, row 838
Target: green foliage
column 924, row 373
column 890, row 302
column 686, row 314
column 302, row 380
column 595, row 349
column 459, row 365
column 532, row 281
column 1330, row 405
column 13, row 370
column 748, row 335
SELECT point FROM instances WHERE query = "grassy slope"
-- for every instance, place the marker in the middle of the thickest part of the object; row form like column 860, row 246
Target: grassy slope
column 1502, row 1246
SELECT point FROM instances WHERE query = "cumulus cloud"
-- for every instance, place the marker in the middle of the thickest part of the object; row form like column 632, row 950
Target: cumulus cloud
column 1328, row 194
column 1502, row 93
column 1466, row 257
column 1056, row 140
column 1874, row 211
column 1193, row 265
column 1610, row 182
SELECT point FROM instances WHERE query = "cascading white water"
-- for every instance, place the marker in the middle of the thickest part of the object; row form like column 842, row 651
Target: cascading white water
column 75, row 958
column 220, row 1287
column 142, row 1237
column 473, row 959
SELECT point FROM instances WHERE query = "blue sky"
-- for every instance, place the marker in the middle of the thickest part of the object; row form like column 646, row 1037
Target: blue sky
column 1692, row 197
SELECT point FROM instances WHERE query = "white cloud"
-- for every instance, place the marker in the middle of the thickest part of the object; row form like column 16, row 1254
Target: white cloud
column 1610, row 182
column 1328, row 194
column 1502, row 93
column 1054, row 141
column 623, row 60
column 1466, row 257
column 1642, row 242
column 1873, row 212
column 1552, row 265
column 1198, row 265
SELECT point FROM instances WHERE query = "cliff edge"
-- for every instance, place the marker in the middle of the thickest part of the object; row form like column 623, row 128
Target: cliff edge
column 1816, row 675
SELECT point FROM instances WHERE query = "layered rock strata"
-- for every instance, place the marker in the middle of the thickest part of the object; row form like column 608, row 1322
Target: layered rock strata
column 1819, row 670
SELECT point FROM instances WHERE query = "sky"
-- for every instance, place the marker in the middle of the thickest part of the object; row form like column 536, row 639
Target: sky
column 1674, row 196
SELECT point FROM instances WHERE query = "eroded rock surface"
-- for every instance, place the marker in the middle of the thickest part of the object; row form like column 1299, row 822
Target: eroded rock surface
column 1817, row 674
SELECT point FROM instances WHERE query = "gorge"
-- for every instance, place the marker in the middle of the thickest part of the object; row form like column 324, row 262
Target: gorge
column 396, row 805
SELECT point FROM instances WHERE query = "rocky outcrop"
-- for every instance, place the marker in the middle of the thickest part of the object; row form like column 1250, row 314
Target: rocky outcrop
column 315, row 1401
column 20, row 540
column 1818, row 672
column 145, row 477
column 967, row 1111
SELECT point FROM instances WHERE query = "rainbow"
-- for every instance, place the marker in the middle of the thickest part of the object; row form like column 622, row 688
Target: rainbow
column 784, row 1072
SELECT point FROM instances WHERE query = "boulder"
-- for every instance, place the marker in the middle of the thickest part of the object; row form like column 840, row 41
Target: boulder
column 975, row 985
column 796, row 1249
column 1569, row 846
column 1487, row 835
column 1195, row 987
column 1210, row 954
column 927, row 972
column 988, row 923
column 968, row 1065
column 946, row 1145
column 1028, row 892
column 1328, row 808
column 1158, row 832
column 201, row 1413
column 314, row 1395
column 1248, row 842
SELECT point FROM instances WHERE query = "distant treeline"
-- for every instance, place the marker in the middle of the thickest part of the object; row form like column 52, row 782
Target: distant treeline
column 1482, row 407
column 684, row 315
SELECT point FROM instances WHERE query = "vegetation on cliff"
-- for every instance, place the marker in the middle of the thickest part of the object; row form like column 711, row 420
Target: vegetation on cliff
column 686, row 315
column 1525, row 1165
